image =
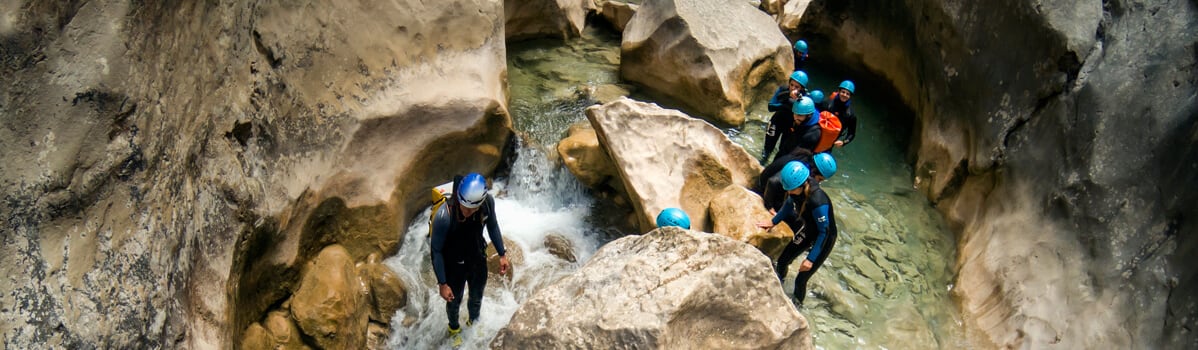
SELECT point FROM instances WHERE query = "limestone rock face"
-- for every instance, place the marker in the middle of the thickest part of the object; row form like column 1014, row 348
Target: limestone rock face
column 584, row 157
column 689, row 53
column 173, row 154
column 667, row 159
column 792, row 15
column 544, row 18
column 735, row 213
column 330, row 306
column 1056, row 134
column 670, row 289
column 618, row 13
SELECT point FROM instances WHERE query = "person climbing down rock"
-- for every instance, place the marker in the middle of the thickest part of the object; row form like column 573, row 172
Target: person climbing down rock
column 673, row 217
column 457, row 248
column 808, row 211
column 840, row 105
column 769, row 185
column 782, row 104
column 800, row 54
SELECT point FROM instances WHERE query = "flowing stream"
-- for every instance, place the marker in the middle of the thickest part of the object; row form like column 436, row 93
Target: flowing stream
column 887, row 283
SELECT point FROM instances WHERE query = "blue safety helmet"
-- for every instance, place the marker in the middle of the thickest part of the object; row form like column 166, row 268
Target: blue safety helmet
column 825, row 164
column 793, row 175
column 804, row 106
column 801, row 47
column 799, row 77
column 472, row 191
column 673, row 217
column 816, row 96
column 847, row 85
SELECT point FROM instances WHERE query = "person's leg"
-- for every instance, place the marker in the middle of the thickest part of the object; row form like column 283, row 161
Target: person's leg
column 789, row 253
column 803, row 277
column 455, row 277
column 478, row 283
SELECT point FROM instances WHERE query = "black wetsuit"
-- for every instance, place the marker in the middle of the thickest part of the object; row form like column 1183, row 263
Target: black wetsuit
column 769, row 186
column 457, row 249
column 818, row 226
column 848, row 119
column 783, row 132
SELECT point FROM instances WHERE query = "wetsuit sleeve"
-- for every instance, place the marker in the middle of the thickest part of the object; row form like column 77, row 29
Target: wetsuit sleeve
column 776, row 101
column 440, row 233
column 771, row 138
column 788, row 208
column 850, row 127
column 493, row 227
column 821, row 226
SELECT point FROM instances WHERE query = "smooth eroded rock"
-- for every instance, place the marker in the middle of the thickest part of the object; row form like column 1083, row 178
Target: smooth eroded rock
column 669, row 288
column 544, row 18
column 329, row 305
column 714, row 58
column 735, row 213
column 667, row 159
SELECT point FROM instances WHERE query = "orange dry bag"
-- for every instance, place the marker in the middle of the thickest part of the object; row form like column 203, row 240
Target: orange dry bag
column 829, row 125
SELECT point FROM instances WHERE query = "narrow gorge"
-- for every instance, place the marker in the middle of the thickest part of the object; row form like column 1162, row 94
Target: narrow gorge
column 238, row 174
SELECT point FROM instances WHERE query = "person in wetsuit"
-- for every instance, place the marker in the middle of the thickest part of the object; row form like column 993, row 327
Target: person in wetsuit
column 841, row 106
column 457, row 248
column 782, row 104
column 814, row 224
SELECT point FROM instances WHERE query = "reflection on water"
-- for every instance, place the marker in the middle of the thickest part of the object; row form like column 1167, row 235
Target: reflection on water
column 886, row 284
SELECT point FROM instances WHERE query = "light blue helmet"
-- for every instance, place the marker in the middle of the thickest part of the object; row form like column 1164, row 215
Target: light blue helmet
column 673, row 217
column 799, row 77
column 847, row 85
column 472, row 191
column 816, row 96
column 793, row 175
column 825, row 164
column 801, row 47
column 804, row 106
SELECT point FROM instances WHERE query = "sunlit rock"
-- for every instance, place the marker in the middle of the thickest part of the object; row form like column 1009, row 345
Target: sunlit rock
column 329, row 305
column 712, row 57
column 667, row 159
column 670, row 288
column 792, row 15
column 544, row 18
column 586, row 159
column 735, row 213
column 618, row 13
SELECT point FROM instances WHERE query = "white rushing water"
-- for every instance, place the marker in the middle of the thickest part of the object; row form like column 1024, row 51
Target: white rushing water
column 539, row 199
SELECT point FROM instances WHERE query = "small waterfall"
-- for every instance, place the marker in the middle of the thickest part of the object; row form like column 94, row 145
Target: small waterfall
column 539, row 199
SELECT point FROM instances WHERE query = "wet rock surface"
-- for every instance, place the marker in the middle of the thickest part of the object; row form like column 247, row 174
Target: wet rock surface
column 1048, row 155
column 685, row 52
column 669, row 288
column 174, row 153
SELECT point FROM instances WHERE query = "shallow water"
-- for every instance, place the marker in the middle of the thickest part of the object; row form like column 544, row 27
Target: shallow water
column 886, row 284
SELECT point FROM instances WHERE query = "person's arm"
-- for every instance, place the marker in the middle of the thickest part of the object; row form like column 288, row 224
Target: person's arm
column 440, row 233
column 788, row 207
column 850, row 127
column 772, row 133
column 821, row 226
column 493, row 227
column 777, row 101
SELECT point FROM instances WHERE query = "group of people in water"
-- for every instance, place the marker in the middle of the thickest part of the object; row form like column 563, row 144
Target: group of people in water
column 805, row 127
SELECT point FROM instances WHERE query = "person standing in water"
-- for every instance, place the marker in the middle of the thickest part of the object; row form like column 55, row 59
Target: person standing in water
column 808, row 211
column 457, row 248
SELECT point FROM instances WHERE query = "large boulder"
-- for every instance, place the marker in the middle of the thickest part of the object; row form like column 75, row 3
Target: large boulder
column 667, row 159
column 1071, row 155
column 181, row 149
column 584, row 157
column 670, row 288
column 618, row 13
column 525, row 19
column 714, row 58
column 735, row 213
column 330, row 304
